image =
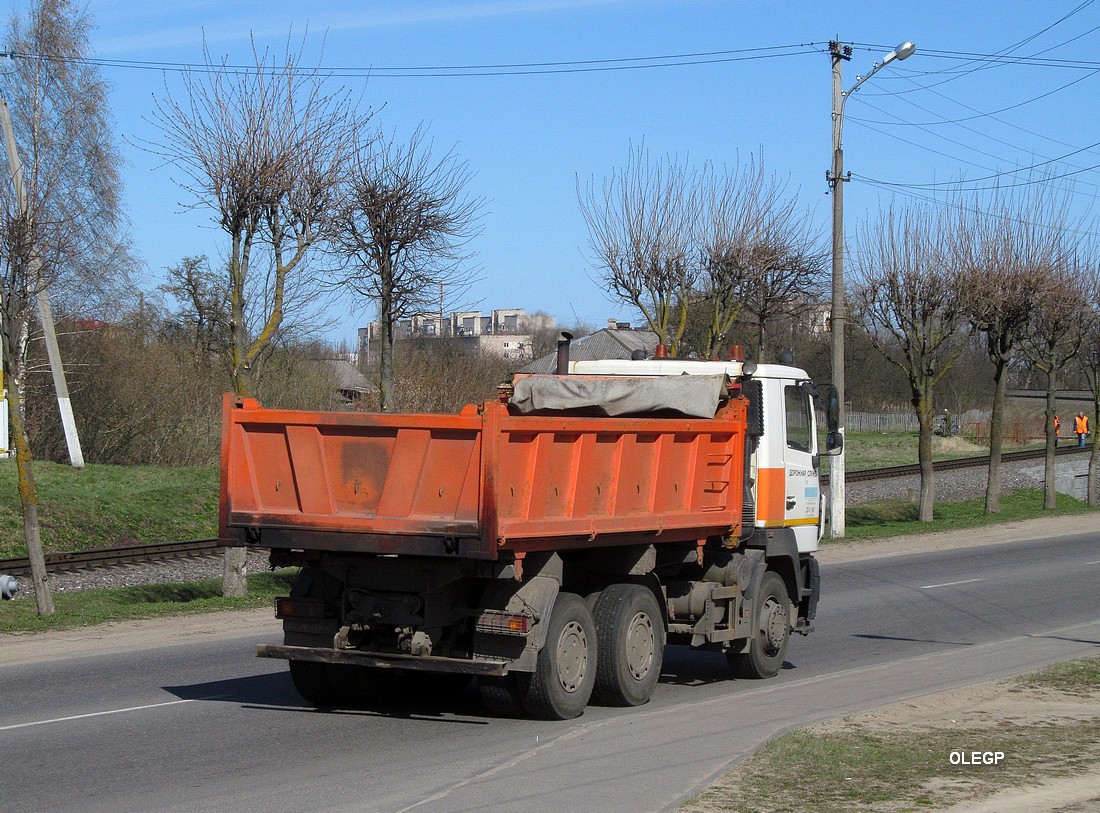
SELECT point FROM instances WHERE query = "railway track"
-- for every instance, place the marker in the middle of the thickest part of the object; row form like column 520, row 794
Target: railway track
column 911, row 469
column 112, row 557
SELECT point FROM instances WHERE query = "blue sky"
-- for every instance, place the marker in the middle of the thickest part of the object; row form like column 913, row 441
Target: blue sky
column 948, row 112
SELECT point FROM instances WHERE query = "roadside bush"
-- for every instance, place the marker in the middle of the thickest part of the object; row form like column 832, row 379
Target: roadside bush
column 148, row 396
column 434, row 375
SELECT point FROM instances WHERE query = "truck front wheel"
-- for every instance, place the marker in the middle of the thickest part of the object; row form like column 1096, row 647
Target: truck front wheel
column 772, row 633
column 631, row 645
column 565, row 673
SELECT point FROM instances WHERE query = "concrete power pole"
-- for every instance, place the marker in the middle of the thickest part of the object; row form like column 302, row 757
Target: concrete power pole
column 836, row 178
column 45, row 316
column 838, row 318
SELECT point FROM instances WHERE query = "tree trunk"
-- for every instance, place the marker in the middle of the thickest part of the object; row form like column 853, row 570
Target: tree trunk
column 28, row 500
column 235, row 560
column 923, row 403
column 386, row 318
column 927, row 472
column 1050, row 496
column 996, row 430
column 385, row 361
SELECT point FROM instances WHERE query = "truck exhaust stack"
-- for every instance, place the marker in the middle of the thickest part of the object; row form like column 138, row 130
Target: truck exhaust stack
column 563, row 352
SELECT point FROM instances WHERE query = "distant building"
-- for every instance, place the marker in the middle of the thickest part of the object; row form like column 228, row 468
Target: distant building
column 616, row 341
column 504, row 332
column 352, row 384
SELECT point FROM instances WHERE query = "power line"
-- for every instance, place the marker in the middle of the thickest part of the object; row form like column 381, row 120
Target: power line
column 972, row 210
column 436, row 71
column 1075, row 150
column 561, row 66
column 984, row 115
column 956, row 184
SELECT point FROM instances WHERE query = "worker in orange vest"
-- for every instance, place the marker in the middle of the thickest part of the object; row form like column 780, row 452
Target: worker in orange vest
column 1081, row 427
column 1057, row 428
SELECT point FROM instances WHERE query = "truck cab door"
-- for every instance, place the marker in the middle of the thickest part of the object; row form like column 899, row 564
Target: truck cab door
column 802, row 500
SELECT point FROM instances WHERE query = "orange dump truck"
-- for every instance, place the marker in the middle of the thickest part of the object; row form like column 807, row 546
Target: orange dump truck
column 549, row 543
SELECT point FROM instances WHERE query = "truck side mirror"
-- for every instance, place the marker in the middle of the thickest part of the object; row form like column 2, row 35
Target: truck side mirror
column 832, row 411
column 834, row 442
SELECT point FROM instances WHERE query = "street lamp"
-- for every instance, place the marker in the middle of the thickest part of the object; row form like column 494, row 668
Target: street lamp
column 836, row 178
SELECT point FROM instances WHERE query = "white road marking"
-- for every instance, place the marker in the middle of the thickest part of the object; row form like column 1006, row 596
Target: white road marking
column 950, row 584
column 95, row 714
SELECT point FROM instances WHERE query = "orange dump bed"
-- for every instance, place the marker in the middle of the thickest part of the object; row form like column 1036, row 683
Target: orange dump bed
column 477, row 483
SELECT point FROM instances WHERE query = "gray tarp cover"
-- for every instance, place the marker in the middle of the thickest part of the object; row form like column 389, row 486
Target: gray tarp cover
column 692, row 396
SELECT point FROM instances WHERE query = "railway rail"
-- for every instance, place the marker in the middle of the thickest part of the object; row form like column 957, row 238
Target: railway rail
column 949, row 465
column 113, row 557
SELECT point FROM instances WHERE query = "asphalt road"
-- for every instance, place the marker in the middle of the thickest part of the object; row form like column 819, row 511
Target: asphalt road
column 201, row 725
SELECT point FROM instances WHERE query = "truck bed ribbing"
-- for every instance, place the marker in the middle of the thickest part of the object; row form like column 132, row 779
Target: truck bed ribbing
column 477, row 483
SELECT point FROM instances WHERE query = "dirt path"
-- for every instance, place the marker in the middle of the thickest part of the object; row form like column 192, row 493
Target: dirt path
column 988, row 707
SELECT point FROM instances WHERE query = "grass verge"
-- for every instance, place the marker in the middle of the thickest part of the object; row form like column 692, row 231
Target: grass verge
column 82, row 608
column 871, row 766
column 873, row 450
column 884, row 518
column 107, row 506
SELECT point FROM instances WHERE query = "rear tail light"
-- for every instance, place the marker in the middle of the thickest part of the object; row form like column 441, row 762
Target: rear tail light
column 299, row 608
column 496, row 622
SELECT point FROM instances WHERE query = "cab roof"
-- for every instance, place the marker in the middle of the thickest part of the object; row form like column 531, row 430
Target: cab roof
column 676, row 366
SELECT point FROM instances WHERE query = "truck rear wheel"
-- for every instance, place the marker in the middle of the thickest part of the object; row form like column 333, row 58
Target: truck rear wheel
column 631, row 635
column 312, row 681
column 768, row 649
column 565, row 673
column 500, row 695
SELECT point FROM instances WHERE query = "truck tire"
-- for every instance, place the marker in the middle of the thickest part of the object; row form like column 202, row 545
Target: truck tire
column 768, row 648
column 565, row 673
column 312, row 682
column 500, row 695
column 631, row 642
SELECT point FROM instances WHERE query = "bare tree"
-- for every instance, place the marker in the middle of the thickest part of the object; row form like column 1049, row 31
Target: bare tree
column 760, row 257
column 785, row 278
column 737, row 206
column 1090, row 365
column 59, row 209
column 1007, row 249
column 908, row 297
column 266, row 150
column 642, row 225
column 402, row 231
column 204, row 304
column 1061, row 318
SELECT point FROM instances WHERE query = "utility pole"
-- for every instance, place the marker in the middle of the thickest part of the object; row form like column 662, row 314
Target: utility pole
column 45, row 316
column 836, row 180
column 838, row 320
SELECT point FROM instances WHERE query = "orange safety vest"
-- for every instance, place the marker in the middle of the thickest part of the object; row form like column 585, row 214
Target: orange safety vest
column 1081, row 424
